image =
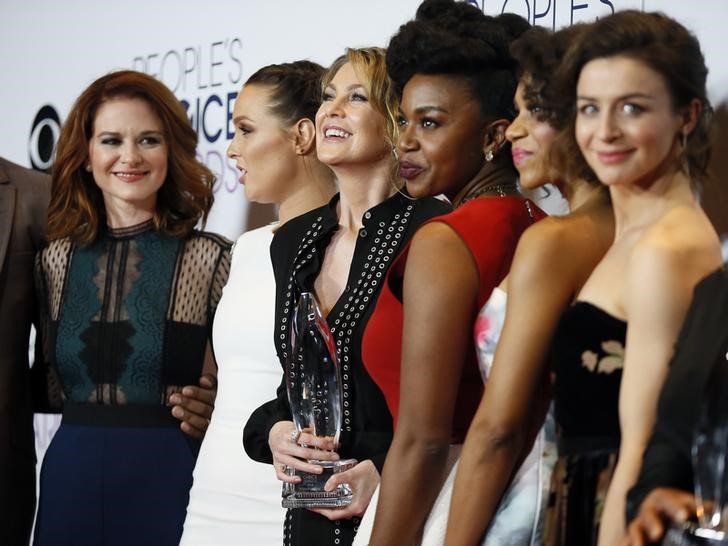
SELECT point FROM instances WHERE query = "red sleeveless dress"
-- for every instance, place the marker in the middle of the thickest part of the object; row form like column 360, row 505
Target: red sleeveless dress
column 490, row 227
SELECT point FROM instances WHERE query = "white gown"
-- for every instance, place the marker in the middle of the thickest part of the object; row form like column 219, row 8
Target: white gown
column 235, row 500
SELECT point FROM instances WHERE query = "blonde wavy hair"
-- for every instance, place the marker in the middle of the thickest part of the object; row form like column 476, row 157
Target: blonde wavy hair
column 370, row 66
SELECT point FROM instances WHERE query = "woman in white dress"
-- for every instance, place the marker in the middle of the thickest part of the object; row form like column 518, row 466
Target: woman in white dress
column 232, row 500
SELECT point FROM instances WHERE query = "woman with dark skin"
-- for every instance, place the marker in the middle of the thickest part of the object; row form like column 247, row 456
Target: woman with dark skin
column 553, row 260
column 456, row 104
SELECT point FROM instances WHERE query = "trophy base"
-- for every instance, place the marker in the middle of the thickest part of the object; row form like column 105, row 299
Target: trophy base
column 310, row 493
column 692, row 535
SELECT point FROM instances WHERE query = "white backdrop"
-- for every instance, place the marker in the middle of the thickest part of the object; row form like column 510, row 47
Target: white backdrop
column 50, row 51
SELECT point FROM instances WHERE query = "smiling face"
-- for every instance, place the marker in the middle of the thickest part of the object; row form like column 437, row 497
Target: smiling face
column 440, row 145
column 531, row 141
column 349, row 131
column 626, row 125
column 128, row 154
column 263, row 150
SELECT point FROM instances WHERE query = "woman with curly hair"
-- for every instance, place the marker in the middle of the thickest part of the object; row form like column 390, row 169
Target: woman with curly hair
column 505, row 467
column 128, row 289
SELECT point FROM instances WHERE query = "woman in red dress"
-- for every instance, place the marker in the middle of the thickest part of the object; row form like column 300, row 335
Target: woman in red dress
column 457, row 81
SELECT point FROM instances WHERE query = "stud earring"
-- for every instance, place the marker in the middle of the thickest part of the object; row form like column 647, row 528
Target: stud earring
column 88, row 168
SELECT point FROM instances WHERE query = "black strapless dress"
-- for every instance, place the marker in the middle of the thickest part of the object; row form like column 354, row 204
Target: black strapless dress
column 586, row 357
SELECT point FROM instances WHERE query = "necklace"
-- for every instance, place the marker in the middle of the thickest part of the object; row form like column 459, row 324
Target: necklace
column 500, row 190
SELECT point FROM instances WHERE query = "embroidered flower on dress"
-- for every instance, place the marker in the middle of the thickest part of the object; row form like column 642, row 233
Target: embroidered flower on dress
column 612, row 361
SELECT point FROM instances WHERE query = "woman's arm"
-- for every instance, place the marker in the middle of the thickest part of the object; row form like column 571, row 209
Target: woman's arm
column 540, row 285
column 439, row 293
column 660, row 279
column 194, row 404
column 45, row 384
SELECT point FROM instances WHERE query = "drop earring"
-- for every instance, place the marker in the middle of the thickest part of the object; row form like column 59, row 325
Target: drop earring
column 489, row 156
column 684, row 160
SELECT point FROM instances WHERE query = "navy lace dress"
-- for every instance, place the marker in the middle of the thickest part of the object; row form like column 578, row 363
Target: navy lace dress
column 125, row 323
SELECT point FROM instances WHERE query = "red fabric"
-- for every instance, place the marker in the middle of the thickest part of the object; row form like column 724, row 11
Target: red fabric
column 490, row 228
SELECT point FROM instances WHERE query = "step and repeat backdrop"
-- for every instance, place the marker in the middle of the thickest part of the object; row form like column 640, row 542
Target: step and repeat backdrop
column 50, row 51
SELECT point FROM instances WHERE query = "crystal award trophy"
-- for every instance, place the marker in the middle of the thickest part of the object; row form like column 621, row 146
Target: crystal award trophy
column 313, row 383
column 710, row 476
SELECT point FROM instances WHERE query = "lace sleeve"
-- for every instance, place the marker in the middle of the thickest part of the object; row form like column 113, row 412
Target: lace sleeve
column 202, row 271
column 220, row 278
column 50, row 270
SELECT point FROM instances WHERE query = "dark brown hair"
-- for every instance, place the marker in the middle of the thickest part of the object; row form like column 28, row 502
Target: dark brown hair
column 295, row 89
column 539, row 53
column 76, row 208
column 662, row 44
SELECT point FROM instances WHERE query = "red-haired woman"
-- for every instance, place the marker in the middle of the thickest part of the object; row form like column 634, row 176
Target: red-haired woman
column 128, row 289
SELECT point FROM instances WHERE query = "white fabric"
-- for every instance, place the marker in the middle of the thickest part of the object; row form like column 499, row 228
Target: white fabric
column 235, row 500
column 438, row 515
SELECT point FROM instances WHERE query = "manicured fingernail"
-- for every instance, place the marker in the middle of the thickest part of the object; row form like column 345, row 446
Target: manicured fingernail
column 178, row 412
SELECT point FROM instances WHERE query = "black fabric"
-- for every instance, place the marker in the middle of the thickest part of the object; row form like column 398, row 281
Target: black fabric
column 587, row 357
column 118, row 416
column 586, row 390
column 700, row 353
column 297, row 252
column 126, row 319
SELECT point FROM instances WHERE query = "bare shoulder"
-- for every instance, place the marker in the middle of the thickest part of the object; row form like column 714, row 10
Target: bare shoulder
column 438, row 251
column 674, row 254
column 433, row 237
column 683, row 238
column 563, row 245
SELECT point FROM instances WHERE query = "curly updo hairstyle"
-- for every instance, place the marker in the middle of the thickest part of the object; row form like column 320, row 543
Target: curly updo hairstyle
column 456, row 39
column 539, row 53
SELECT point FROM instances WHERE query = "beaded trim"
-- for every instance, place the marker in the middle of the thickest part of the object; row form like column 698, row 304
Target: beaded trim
column 500, row 190
column 379, row 256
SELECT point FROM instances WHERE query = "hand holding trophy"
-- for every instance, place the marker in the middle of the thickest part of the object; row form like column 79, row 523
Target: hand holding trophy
column 313, row 384
column 710, row 472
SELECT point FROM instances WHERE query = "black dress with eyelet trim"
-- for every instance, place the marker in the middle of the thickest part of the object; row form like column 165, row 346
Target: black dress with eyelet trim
column 297, row 254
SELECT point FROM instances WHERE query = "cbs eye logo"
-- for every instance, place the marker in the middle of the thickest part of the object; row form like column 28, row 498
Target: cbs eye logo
column 43, row 137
